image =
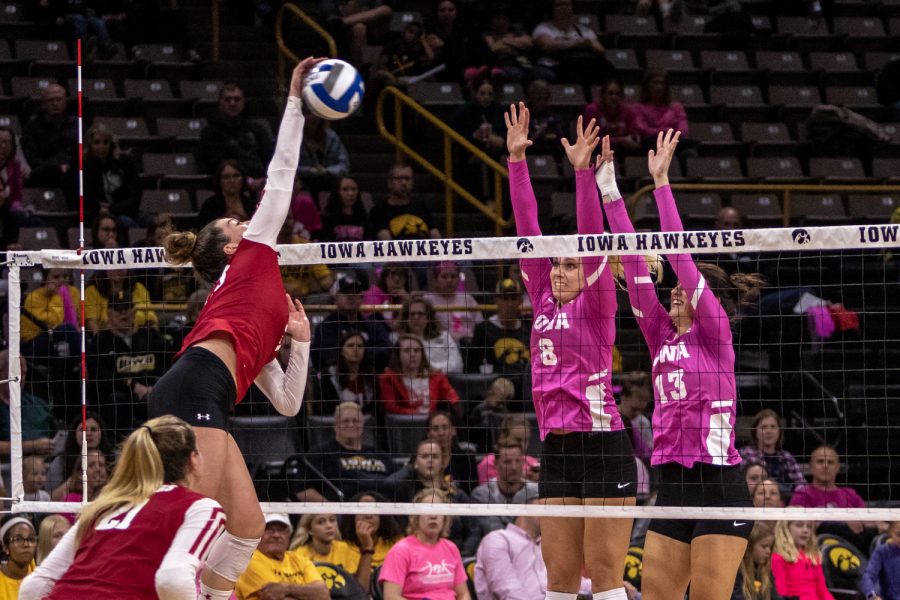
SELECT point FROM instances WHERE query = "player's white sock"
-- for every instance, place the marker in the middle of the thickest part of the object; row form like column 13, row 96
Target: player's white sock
column 208, row 593
column 613, row 594
column 559, row 596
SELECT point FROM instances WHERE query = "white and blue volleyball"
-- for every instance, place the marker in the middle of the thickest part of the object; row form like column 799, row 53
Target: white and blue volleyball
column 333, row 89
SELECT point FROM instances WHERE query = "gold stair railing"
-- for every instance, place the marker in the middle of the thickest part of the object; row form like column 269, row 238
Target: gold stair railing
column 444, row 173
column 785, row 189
column 286, row 56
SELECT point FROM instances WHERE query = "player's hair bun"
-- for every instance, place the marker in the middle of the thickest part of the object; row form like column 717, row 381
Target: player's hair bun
column 180, row 246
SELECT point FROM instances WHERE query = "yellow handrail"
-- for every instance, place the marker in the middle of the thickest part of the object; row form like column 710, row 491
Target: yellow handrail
column 445, row 174
column 283, row 50
column 785, row 188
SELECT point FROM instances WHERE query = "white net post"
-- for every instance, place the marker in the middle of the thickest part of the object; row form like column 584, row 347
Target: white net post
column 15, row 384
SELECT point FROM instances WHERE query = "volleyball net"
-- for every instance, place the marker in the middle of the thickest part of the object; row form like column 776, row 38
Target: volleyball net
column 819, row 348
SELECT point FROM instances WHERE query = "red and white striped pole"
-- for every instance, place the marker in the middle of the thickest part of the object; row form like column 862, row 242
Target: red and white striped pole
column 84, row 489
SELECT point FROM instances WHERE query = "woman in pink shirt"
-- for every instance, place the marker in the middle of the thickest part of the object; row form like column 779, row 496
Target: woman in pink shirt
column 656, row 112
column 797, row 562
column 425, row 565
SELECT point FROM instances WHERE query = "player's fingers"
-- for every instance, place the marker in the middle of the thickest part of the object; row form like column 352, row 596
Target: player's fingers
column 506, row 118
column 659, row 139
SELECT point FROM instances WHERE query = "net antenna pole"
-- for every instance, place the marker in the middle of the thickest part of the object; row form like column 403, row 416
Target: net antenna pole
column 84, row 488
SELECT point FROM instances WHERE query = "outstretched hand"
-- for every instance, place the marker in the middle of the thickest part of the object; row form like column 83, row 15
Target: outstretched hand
column 517, row 131
column 298, row 325
column 586, row 140
column 658, row 161
column 303, row 67
column 605, row 174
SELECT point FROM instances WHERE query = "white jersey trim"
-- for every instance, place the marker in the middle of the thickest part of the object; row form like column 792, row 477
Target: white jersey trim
column 701, row 285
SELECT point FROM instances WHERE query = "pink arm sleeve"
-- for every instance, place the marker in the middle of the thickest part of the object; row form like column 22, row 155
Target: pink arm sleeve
column 645, row 304
column 525, row 212
column 276, row 199
column 598, row 275
column 708, row 313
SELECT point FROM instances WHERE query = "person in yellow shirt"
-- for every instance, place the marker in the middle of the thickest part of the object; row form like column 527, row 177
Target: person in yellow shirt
column 55, row 303
column 106, row 284
column 275, row 572
column 20, row 544
column 386, row 528
column 318, row 539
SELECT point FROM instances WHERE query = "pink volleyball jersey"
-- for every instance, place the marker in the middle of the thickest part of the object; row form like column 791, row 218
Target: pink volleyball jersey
column 571, row 344
column 120, row 557
column 693, row 374
column 247, row 303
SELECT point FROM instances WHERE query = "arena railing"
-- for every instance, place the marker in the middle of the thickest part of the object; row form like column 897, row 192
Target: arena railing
column 450, row 136
column 286, row 56
column 785, row 189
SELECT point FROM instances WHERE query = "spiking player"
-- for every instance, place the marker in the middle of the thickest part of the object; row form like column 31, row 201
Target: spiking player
column 587, row 458
column 694, row 390
column 233, row 345
column 147, row 531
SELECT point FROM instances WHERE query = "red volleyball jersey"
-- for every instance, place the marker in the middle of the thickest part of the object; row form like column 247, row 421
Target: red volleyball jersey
column 120, row 557
column 247, row 304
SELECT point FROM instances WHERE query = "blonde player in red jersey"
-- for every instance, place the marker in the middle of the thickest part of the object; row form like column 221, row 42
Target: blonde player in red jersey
column 233, row 345
column 146, row 533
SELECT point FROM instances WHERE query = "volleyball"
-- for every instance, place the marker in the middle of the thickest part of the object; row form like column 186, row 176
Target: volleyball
column 333, row 89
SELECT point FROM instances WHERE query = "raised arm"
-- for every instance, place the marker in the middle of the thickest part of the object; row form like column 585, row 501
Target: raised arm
column 285, row 389
column 645, row 304
column 520, row 191
column 708, row 312
column 276, row 199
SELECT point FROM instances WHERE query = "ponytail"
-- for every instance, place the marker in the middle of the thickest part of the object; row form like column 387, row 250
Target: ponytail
column 155, row 453
column 205, row 250
column 734, row 292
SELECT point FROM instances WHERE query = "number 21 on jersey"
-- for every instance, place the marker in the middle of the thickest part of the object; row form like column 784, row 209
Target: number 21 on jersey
column 674, row 380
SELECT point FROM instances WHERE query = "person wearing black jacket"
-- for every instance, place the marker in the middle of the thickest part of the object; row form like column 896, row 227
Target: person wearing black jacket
column 124, row 362
column 112, row 185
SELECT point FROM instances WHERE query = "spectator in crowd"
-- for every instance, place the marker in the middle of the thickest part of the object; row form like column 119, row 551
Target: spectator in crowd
column 547, row 126
column 510, row 486
column 754, row 473
column 399, row 217
column 306, row 220
column 392, row 287
column 766, row 439
column 456, row 308
column 231, row 135
column 448, row 41
column 509, row 565
column 97, row 476
column 488, row 414
column 50, row 139
column 569, row 50
column 350, row 380
column 409, row 385
column 656, row 111
column 418, row 317
column 76, row 20
column 797, row 562
column 124, row 362
column 104, row 233
column 481, row 119
column 501, row 343
column 344, row 218
column 325, row 347
column 112, row 185
column 615, row 117
column 106, row 285
column 19, row 545
column 881, row 580
column 62, row 473
column 38, row 423
column 323, row 157
column 12, row 179
column 302, row 280
column 509, row 48
column 754, row 576
column 767, row 493
column 385, row 529
column 318, row 539
column 274, row 572
column 460, row 466
column 425, row 472
column 34, row 478
column 409, row 569
column 635, row 397
column 404, row 55
column 347, row 465
column 232, row 199
column 51, row 530
column 178, row 328
column 51, row 306
column 514, row 427
column 358, row 20
column 823, row 491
